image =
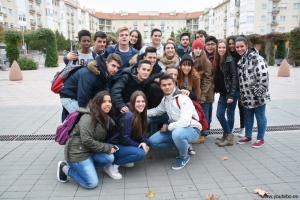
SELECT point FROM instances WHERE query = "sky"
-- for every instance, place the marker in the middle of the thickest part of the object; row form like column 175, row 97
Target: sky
column 148, row 5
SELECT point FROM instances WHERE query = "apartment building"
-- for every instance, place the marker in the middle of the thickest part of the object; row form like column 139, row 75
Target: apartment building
column 234, row 17
column 145, row 21
column 66, row 16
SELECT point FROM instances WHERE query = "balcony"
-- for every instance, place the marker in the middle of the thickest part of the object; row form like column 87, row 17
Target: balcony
column 68, row 21
column 32, row 22
column 225, row 19
column 237, row 14
column 69, row 29
column 274, row 23
column 237, row 25
column 152, row 24
column 275, row 11
column 224, row 28
column 38, row 12
column 145, row 24
column 32, row 10
column 40, row 24
column 5, row 15
column 30, row 0
column 72, row 13
column 237, row 3
column 38, row 1
column 162, row 24
column 73, row 30
column 72, row 22
column 225, row 10
column 276, row 0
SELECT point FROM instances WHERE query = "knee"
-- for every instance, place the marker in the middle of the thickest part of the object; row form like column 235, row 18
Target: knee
column 110, row 159
column 92, row 184
column 176, row 135
column 140, row 154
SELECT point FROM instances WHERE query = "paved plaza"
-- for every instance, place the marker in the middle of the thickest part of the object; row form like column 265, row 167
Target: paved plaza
column 28, row 168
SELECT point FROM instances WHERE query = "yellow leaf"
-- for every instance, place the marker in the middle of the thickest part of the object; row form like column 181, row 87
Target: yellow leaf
column 224, row 158
column 212, row 197
column 151, row 157
column 261, row 192
column 150, row 194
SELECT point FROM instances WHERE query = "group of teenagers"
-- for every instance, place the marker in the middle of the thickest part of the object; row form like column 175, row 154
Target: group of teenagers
column 132, row 98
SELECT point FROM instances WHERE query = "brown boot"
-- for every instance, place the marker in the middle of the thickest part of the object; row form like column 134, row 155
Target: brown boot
column 227, row 142
column 201, row 139
column 221, row 139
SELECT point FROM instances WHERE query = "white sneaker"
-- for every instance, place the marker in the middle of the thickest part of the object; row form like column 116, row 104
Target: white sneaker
column 191, row 151
column 131, row 164
column 242, row 133
column 112, row 171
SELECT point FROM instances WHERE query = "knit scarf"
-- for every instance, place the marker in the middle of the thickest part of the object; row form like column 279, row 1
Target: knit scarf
column 166, row 61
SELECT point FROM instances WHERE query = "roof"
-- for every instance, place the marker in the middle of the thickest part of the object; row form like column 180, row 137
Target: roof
column 139, row 16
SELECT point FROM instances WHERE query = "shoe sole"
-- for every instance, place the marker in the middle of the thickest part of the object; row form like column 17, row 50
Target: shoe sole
column 57, row 172
column 256, row 147
column 111, row 176
column 242, row 142
column 127, row 166
column 178, row 168
column 192, row 153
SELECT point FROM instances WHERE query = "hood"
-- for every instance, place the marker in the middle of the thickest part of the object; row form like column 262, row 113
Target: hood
column 86, row 110
column 181, row 48
column 83, row 110
column 251, row 52
column 174, row 94
column 131, row 71
column 134, row 59
column 97, row 66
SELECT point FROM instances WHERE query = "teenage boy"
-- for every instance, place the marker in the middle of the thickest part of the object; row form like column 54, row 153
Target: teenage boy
column 201, row 35
column 183, row 47
column 86, row 82
column 183, row 128
column 155, row 42
column 99, row 43
column 123, row 49
column 132, row 79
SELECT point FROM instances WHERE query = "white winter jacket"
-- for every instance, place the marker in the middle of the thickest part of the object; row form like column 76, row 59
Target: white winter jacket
column 178, row 117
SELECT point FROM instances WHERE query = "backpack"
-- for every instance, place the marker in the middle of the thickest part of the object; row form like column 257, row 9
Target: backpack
column 60, row 77
column 200, row 112
column 63, row 131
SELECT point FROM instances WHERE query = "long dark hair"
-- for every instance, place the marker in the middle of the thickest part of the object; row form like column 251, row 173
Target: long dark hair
column 201, row 62
column 192, row 76
column 139, row 123
column 138, row 44
column 217, row 58
column 95, row 109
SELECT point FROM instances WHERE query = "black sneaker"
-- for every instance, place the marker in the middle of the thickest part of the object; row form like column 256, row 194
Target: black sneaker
column 61, row 176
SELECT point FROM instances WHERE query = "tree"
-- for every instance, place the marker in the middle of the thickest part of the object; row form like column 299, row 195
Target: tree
column 294, row 53
column 172, row 34
column 61, row 41
column 114, row 35
column 12, row 40
column 184, row 30
column 2, row 32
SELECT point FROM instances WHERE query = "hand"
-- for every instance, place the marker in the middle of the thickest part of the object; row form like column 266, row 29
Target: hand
column 124, row 109
column 229, row 100
column 144, row 146
column 185, row 92
column 112, row 151
column 201, row 102
column 163, row 128
column 156, row 80
column 72, row 56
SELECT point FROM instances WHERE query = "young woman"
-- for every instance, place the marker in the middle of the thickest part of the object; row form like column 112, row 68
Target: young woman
column 169, row 57
column 110, row 41
column 86, row 148
column 135, row 39
column 131, row 141
column 231, row 44
column 254, row 85
column 226, row 84
column 204, row 67
column 188, row 77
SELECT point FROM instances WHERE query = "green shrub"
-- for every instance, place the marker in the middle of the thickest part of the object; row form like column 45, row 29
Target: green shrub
column 27, row 64
column 294, row 53
column 12, row 40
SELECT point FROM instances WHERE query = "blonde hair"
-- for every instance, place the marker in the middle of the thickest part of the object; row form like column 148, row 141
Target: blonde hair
column 123, row 29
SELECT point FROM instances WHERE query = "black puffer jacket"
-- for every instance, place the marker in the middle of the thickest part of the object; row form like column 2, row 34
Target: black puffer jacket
column 127, row 84
column 86, row 82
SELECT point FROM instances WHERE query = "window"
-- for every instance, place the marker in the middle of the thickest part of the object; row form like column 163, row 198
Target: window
column 30, row 6
column 250, row 19
column 262, row 30
column 281, row 29
column 283, row 6
column 10, row 14
column 24, row 17
column 282, row 18
column 263, row 6
column 20, row 17
column 296, row 6
column 294, row 17
column 11, row 24
column 263, row 18
column 135, row 28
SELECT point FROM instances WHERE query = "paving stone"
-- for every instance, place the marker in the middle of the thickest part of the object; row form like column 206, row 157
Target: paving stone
column 13, row 195
column 136, row 185
column 234, row 190
column 39, row 194
column 186, row 194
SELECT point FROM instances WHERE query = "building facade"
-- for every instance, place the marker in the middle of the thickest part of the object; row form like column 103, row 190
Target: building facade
column 235, row 17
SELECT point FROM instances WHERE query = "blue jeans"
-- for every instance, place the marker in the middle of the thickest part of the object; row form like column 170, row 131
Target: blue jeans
column 180, row 138
column 128, row 154
column 261, row 119
column 229, row 108
column 154, row 121
column 84, row 172
column 206, row 107
column 69, row 104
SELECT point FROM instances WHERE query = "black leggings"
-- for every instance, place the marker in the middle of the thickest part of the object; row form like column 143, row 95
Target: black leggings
column 242, row 115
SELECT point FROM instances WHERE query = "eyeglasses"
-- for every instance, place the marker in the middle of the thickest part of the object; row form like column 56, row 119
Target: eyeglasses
column 210, row 44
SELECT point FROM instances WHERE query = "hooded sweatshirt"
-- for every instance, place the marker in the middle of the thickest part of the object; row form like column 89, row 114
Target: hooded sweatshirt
column 159, row 50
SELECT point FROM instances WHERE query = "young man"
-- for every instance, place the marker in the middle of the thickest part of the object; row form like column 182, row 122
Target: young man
column 183, row 128
column 132, row 79
column 155, row 42
column 86, row 82
column 184, row 48
column 123, row 49
column 211, row 47
column 99, row 43
column 201, row 35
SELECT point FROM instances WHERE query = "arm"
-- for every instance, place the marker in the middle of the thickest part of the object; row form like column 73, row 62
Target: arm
column 186, row 113
column 262, row 77
column 158, row 111
column 196, row 89
column 116, row 92
column 85, row 87
column 234, row 79
column 124, row 124
column 87, row 136
column 108, row 51
column 206, row 81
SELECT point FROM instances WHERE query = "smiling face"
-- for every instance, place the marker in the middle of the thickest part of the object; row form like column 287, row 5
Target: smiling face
column 143, row 72
column 156, row 38
column 186, row 69
column 210, row 47
column 167, row 86
column 140, row 104
column 197, row 51
column 222, row 49
column 241, row 47
column 151, row 57
column 170, row 50
column 106, row 104
column 100, row 44
column 231, row 45
column 134, row 37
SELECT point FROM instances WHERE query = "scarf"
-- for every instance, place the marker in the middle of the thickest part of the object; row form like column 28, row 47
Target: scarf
column 166, row 61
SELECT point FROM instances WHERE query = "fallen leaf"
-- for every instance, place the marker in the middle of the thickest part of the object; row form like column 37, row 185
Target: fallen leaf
column 150, row 194
column 212, row 197
column 224, row 158
column 261, row 192
column 151, row 157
